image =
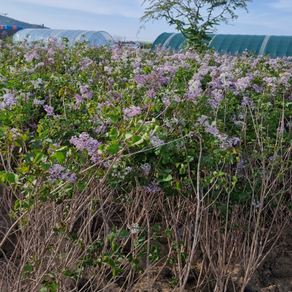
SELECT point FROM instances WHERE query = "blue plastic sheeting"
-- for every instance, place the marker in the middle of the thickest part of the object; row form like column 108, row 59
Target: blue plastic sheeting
column 275, row 46
column 94, row 38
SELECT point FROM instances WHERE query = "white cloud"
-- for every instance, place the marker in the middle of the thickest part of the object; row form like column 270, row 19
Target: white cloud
column 128, row 8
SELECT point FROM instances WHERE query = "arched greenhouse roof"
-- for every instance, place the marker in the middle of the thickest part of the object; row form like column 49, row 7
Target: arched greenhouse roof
column 275, row 46
column 95, row 38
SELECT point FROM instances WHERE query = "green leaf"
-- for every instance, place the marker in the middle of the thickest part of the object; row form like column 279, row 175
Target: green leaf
column 111, row 235
column 11, row 177
column 45, row 166
column 167, row 178
column 62, row 149
column 60, row 156
column 51, row 275
column 136, row 138
column 124, row 233
column 28, row 156
column 44, row 289
column 113, row 149
column 28, row 267
column 114, row 118
column 39, row 157
column 19, row 142
column 22, row 169
column 128, row 136
column 53, row 287
column 115, row 247
column 182, row 169
column 113, row 133
column 156, row 227
column 36, row 145
column 189, row 159
column 2, row 184
column 111, row 263
column 68, row 273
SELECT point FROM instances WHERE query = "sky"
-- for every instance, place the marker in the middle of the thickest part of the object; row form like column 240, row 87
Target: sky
column 121, row 18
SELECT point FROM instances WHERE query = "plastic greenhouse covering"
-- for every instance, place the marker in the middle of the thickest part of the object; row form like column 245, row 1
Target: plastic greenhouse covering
column 95, row 38
column 275, row 46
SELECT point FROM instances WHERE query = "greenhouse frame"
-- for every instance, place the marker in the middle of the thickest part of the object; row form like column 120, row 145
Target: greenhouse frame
column 94, row 38
column 275, row 46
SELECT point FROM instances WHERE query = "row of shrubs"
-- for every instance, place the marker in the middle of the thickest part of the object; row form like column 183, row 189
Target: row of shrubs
column 118, row 162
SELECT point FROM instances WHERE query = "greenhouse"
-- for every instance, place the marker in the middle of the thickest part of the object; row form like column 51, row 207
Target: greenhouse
column 275, row 46
column 95, row 38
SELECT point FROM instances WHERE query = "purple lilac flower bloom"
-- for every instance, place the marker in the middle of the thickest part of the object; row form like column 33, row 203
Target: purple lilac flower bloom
column 85, row 63
column 191, row 95
column 89, row 95
column 38, row 102
column 79, row 99
column 131, row 112
column 150, row 93
column 84, row 89
column 213, row 103
column 242, row 163
column 30, row 57
column 51, row 61
column 58, row 172
column 257, row 204
column 40, row 64
column 49, row 110
column 85, row 142
column 242, row 83
column 145, row 168
column 155, row 141
column 212, row 130
column 204, row 120
column 257, row 88
column 154, row 80
column 152, row 187
column 8, row 101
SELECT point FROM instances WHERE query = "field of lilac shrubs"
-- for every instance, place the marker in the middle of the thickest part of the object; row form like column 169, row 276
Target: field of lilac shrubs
column 122, row 168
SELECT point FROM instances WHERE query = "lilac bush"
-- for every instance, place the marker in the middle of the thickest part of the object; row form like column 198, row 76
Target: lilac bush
column 182, row 131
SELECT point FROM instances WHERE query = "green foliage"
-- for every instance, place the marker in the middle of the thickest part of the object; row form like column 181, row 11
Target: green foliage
column 188, row 18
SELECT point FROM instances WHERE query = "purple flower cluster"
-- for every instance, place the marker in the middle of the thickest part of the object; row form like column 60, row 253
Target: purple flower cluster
column 49, row 110
column 222, row 138
column 85, row 94
column 124, row 173
column 242, row 163
column 85, row 142
column 85, row 63
column 257, row 88
column 257, row 204
column 155, row 141
column 58, row 172
column 37, row 83
column 243, row 83
column 130, row 112
column 154, row 80
column 153, row 187
column 38, row 102
column 8, row 100
column 31, row 55
column 145, row 168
